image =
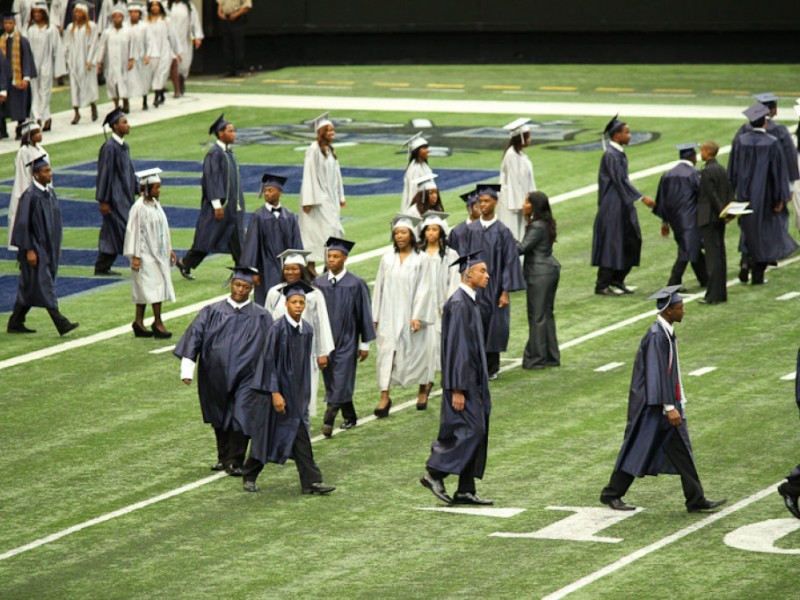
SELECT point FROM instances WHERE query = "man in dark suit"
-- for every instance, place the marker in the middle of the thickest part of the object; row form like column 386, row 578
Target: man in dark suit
column 715, row 193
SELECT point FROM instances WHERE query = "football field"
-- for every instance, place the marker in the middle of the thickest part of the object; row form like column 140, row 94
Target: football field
column 107, row 491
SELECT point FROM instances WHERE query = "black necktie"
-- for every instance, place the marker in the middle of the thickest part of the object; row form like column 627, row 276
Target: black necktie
column 276, row 211
column 333, row 282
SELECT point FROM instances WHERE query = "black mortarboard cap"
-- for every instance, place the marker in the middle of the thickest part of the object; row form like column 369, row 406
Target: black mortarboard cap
column 273, row 181
column 334, row 243
column 687, row 150
column 470, row 198
column 112, row 117
column 613, row 126
column 218, row 125
column 298, row 288
column 467, row 260
column 768, row 99
column 38, row 162
column 756, row 112
column 488, row 189
column 244, row 273
column 666, row 297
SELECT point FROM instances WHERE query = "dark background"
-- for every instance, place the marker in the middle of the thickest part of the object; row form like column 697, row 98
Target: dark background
column 314, row 32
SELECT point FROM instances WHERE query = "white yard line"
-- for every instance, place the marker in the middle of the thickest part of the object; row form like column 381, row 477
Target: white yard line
column 790, row 376
column 702, row 371
column 788, row 296
column 665, row 541
column 609, row 367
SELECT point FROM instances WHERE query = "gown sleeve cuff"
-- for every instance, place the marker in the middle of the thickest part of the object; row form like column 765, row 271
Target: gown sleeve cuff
column 187, row 368
column 364, row 346
column 216, row 204
column 668, row 408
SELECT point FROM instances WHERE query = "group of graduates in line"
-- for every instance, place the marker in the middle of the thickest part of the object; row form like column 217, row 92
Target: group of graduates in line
column 135, row 46
column 696, row 205
column 441, row 297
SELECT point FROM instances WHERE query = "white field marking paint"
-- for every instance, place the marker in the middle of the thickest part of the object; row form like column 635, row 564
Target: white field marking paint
column 500, row 513
column 125, row 329
column 788, row 296
column 761, row 536
column 112, row 515
column 162, row 350
column 608, row 367
column 790, row 376
column 658, row 545
column 580, row 527
column 702, row 371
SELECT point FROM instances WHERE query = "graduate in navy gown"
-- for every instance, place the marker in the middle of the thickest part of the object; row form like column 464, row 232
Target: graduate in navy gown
column 499, row 251
column 286, row 358
column 790, row 489
column 220, row 224
column 16, row 50
column 460, row 447
column 757, row 170
column 656, row 436
column 676, row 204
column 272, row 229
column 37, row 235
column 457, row 233
column 116, row 191
column 350, row 314
column 228, row 339
column 617, row 239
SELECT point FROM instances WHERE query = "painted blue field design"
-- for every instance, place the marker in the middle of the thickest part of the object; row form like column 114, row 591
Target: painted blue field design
column 65, row 286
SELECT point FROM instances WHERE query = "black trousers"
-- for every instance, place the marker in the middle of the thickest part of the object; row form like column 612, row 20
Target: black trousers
column 679, row 268
column 713, row 236
column 793, row 480
column 233, row 43
column 231, row 447
column 104, row 262
column 466, row 479
column 193, row 257
column 542, row 347
column 303, row 457
column 607, row 277
column 493, row 362
column 348, row 413
column 679, row 455
column 21, row 311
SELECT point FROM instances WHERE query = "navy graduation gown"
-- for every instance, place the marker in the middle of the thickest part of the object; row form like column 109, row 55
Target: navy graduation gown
column 116, row 184
column 499, row 251
column 462, row 434
column 648, row 432
column 676, row 203
column 350, row 315
column 231, row 381
column 267, row 236
column 617, row 239
column 18, row 102
column 38, row 227
column 287, row 359
column 220, row 181
column 455, row 239
column 784, row 137
column 758, row 174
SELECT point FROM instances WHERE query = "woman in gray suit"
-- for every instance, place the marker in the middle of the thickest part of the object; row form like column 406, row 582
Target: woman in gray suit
column 542, row 271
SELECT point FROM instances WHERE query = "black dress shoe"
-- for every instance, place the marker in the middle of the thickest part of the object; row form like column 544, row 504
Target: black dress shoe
column 140, row 331
column 436, row 486
column 319, row 488
column 233, row 471
column 107, row 273
column 327, row 430
column 789, row 500
column 744, row 275
column 68, row 328
column 617, row 504
column 348, row 425
column 250, row 486
column 162, row 335
column 622, row 288
column 706, row 504
column 382, row 413
column 218, row 467
column 470, row 498
column 19, row 329
column 186, row 272
column 604, row 292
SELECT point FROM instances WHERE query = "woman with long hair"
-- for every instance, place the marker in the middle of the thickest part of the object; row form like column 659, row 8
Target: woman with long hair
column 427, row 197
column 516, row 178
column 403, row 306
column 542, row 272
column 188, row 33
column 417, row 167
column 433, row 243
column 295, row 268
column 80, row 45
column 48, row 56
column 164, row 47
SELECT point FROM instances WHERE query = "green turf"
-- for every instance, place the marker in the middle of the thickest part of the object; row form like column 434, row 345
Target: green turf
column 99, row 428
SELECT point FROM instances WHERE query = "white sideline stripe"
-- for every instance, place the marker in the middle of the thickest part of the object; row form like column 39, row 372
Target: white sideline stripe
column 162, row 350
column 125, row 329
column 608, row 367
column 642, row 552
column 702, row 371
column 790, row 376
column 788, row 296
column 112, row 515
column 397, row 408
